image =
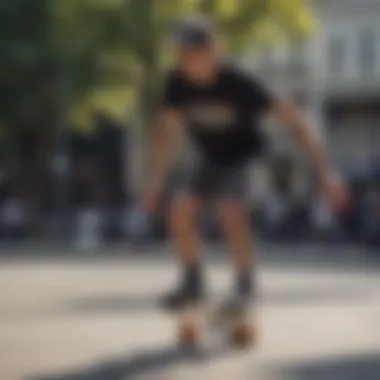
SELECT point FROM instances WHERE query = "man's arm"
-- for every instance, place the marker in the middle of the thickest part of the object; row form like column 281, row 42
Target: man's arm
column 290, row 115
column 166, row 131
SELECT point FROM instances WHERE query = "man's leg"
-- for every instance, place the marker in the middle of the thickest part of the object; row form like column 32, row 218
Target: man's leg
column 236, row 227
column 184, row 237
column 183, row 220
column 182, row 225
column 235, row 224
column 183, row 229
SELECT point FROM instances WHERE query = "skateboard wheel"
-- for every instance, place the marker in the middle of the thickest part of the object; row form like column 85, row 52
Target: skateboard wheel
column 243, row 336
column 188, row 334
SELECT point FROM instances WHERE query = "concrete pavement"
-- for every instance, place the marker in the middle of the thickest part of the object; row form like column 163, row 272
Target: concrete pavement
column 96, row 320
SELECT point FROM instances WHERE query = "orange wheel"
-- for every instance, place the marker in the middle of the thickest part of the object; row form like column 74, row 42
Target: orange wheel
column 188, row 334
column 243, row 336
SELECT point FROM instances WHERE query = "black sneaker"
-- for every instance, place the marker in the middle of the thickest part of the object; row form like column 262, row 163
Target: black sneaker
column 181, row 298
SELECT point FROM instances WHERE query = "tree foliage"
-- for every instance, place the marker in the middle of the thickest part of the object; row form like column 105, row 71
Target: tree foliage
column 62, row 59
column 111, row 45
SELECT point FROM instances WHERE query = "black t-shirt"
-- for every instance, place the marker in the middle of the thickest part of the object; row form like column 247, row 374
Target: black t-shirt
column 223, row 118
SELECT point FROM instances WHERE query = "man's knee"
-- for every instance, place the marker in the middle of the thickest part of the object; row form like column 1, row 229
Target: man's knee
column 183, row 214
column 233, row 216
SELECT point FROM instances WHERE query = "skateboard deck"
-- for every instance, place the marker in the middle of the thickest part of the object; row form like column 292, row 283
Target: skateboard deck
column 195, row 321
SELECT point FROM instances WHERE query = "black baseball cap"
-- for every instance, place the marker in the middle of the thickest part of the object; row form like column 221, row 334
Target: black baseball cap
column 193, row 33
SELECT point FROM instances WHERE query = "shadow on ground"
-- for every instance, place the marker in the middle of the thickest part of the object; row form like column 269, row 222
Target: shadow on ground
column 149, row 363
column 283, row 297
column 360, row 367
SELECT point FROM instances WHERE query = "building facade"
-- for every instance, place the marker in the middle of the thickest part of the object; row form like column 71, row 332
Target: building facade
column 346, row 67
column 335, row 78
column 288, row 72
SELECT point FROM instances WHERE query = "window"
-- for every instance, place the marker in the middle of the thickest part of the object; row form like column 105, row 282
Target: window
column 298, row 53
column 336, row 55
column 367, row 51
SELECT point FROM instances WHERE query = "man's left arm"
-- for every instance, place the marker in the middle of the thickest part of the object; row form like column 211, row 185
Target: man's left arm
column 290, row 115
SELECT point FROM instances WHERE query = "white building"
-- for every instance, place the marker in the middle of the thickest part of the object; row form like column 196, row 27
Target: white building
column 335, row 77
column 345, row 56
column 287, row 70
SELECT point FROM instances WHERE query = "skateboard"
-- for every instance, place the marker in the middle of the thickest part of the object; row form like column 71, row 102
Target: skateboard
column 240, row 326
column 196, row 320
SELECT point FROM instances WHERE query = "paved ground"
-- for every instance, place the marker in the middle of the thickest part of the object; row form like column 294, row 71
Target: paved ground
column 96, row 320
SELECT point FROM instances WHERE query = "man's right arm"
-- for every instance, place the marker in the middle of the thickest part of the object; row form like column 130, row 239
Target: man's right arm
column 167, row 128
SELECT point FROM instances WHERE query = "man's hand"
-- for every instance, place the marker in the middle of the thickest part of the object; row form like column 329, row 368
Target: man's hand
column 151, row 197
column 336, row 192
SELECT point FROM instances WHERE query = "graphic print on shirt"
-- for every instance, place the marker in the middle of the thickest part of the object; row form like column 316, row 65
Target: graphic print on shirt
column 223, row 119
column 211, row 116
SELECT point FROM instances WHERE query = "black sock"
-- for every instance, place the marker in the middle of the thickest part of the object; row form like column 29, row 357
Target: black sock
column 192, row 278
column 244, row 283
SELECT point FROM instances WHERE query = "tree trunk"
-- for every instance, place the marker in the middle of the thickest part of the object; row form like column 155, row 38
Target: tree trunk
column 39, row 177
column 39, row 173
column 148, row 109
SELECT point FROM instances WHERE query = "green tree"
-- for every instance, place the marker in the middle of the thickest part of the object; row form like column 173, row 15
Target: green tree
column 144, row 25
column 105, row 43
column 58, row 56
column 126, row 41
column 52, row 54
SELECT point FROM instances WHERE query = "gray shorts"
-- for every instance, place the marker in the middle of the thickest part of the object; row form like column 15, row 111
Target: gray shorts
column 208, row 180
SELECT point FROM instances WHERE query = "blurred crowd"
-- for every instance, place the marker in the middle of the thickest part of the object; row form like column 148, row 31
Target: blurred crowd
column 99, row 208
column 94, row 180
column 312, row 218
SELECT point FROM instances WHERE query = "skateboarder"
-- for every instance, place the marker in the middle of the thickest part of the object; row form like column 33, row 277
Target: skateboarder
column 220, row 107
